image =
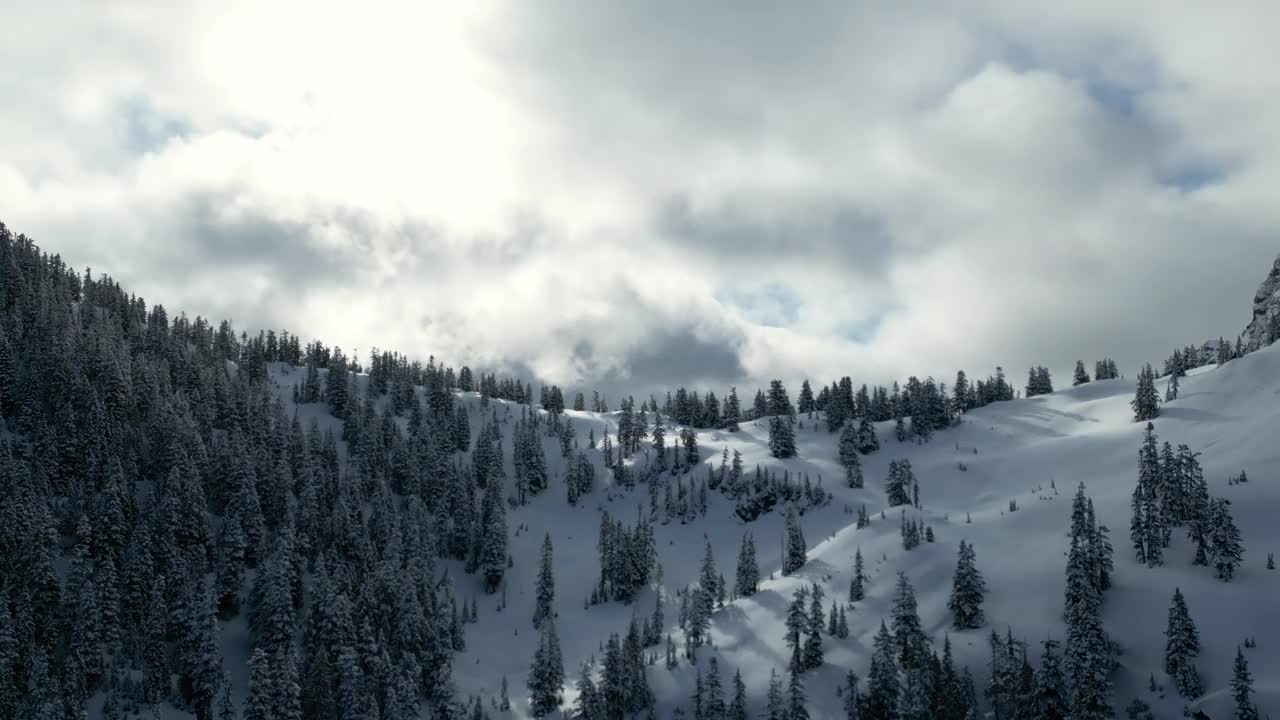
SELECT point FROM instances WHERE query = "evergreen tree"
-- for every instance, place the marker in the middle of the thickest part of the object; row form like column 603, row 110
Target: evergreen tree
column 1138, row 709
column 659, row 440
column 1147, row 523
column 546, row 591
column 1038, row 382
column 1146, row 403
column 732, row 410
column 797, row 621
column 492, row 538
column 708, row 581
column 849, row 456
column 712, row 693
column 738, row 706
column 782, row 436
column 1196, row 502
column 867, row 442
column 1242, row 688
column 967, row 591
column 908, row 633
column 747, row 579
column 796, row 554
column 883, row 687
column 775, row 709
column 852, row 697
column 813, row 656
column 806, row 398
column 857, row 584
column 589, row 704
column 796, row 699
column 689, row 439
column 960, row 394
column 1225, row 549
column 899, row 483
column 1080, row 377
column 1088, row 653
column 1049, row 701
column 1181, row 647
column 546, row 674
column 273, row 687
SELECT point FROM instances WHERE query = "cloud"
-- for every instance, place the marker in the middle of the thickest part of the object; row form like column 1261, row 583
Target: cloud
column 634, row 195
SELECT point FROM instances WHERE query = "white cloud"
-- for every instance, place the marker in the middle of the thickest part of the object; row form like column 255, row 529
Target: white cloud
column 576, row 187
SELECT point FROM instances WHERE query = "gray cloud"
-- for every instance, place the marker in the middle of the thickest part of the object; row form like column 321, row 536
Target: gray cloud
column 844, row 234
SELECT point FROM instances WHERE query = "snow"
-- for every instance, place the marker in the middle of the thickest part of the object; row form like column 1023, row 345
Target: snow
column 1083, row 434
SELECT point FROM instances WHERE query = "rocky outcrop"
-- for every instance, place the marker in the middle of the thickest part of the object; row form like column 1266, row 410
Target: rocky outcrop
column 1264, row 328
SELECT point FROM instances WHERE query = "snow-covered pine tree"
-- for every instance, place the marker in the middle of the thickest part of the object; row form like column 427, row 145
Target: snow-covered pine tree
column 775, row 709
column 546, row 673
column 1038, row 382
column 908, row 633
column 747, row 578
column 782, row 436
column 806, row 398
column 545, row 594
column 883, row 688
column 849, row 460
column 1080, row 377
column 1088, row 650
column 1196, row 503
column 492, row 535
column 899, row 482
column 857, row 584
column 738, row 706
column 689, row 439
column 867, row 440
column 713, row 693
column 1146, row 403
column 797, row 701
column 967, row 591
column 797, row 621
column 732, row 410
column 1049, row 701
column 1182, row 645
column 273, row 686
column 709, row 579
column 813, row 656
column 1242, row 688
column 701, row 604
column 1147, row 521
column 796, row 554
column 960, row 395
column 851, row 697
column 1226, row 551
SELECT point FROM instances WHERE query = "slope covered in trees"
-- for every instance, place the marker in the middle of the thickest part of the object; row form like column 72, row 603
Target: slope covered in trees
column 196, row 521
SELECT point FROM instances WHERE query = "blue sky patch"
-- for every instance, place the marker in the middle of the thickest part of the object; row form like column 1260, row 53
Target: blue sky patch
column 146, row 128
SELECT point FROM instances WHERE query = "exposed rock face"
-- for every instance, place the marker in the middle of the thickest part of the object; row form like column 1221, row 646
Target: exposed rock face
column 1264, row 328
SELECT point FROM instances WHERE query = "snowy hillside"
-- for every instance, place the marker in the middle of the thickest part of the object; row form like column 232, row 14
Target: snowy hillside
column 199, row 524
column 1011, row 451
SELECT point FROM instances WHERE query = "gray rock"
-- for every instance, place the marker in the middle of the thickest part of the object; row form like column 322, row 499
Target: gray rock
column 1262, row 329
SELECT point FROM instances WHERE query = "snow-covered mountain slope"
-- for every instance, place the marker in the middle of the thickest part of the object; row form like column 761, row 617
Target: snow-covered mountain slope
column 1020, row 450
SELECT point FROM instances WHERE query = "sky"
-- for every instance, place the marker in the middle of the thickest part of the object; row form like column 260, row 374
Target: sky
column 634, row 195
